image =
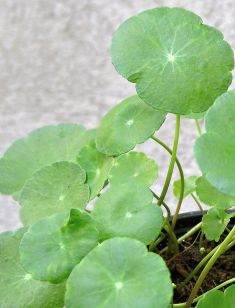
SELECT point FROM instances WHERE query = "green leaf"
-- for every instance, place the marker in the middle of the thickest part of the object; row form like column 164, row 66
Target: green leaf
column 54, row 245
column 53, row 189
column 119, row 273
column 129, row 123
column 215, row 150
column 41, row 147
column 127, row 211
column 189, row 186
column 97, row 166
column 216, row 298
column 212, row 196
column 133, row 167
column 214, row 223
column 17, row 287
column 195, row 116
column 179, row 64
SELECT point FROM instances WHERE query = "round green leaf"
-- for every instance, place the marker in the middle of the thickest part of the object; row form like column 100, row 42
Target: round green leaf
column 97, row 166
column 215, row 150
column 54, row 245
column 195, row 116
column 212, row 196
column 127, row 211
column 179, row 64
column 53, row 189
column 17, row 287
column 119, row 273
column 214, row 223
column 216, row 298
column 133, row 167
column 189, row 186
column 129, row 123
column 41, row 147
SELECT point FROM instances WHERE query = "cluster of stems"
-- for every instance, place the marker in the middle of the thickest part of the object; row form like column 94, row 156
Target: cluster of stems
column 169, row 224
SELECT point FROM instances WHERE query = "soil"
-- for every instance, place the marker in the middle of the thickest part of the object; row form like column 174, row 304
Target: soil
column 187, row 259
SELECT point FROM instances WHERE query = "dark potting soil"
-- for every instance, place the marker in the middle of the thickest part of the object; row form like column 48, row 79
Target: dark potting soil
column 188, row 258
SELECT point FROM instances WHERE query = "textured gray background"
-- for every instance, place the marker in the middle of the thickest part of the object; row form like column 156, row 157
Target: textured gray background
column 55, row 67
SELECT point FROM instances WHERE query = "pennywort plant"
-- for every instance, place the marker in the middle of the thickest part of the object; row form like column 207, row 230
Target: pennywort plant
column 120, row 253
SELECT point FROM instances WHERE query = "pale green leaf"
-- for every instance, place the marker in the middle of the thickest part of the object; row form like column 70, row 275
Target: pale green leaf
column 53, row 189
column 119, row 273
column 129, row 123
column 133, row 167
column 212, row 196
column 41, row 147
column 17, row 287
column 126, row 210
column 54, row 245
column 97, row 166
column 179, row 64
column 189, row 186
column 215, row 150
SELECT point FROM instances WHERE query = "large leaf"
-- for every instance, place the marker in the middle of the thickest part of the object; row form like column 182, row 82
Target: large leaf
column 54, row 245
column 179, row 64
column 214, row 223
column 126, row 210
column 53, row 189
column 189, row 186
column 41, row 147
column 218, row 299
column 129, row 123
column 133, row 167
column 119, row 273
column 215, row 150
column 97, row 166
column 212, row 196
column 17, row 287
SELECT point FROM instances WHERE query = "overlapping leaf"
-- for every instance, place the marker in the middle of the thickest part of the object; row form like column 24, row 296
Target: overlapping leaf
column 41, row 147
column 218, row 299
column 54, row 245
column 212, row 196
column 129, row 123
column 53, row 189
column 215, row 150
column 189, row 186
column 119, row 273
column 17, row 287
column 214, row 223
column 97, row 166
column 126, row 210
column 134, row 167
column 179, row 64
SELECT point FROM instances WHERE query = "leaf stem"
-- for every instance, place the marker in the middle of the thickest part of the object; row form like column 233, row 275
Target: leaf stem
column 190, row 232
column 197, row 202
column 221, row 249
column 198, row 127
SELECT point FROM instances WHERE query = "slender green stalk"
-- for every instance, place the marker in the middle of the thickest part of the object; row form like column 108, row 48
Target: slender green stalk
column 164, row 204
column 223, row 284
column 190, row 232
column 197, row 202
column 172, row 162
column 180, row 169
column 198, row 127
column 222, row 248
column 202, row 262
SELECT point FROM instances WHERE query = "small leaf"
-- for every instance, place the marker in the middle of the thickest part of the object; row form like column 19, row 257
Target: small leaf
column 53, row 189
column 97, row 166
column 54, row 245
column 212, row 196
column 216, row 298
column 129, row 123
column 126, row 210
column 215, row 150
column 17, row 287
column 41, row 147
column 133, row 167
column 119, row 273
column 189, row 186
column 214, row 223
column 179, row 64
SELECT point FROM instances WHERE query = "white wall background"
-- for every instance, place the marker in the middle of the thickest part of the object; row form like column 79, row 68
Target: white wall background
column 55, row 67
